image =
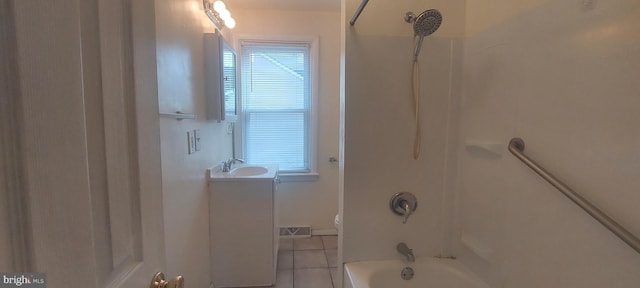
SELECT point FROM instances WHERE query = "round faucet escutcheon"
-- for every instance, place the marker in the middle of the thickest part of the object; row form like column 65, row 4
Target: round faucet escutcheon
column 403, row 204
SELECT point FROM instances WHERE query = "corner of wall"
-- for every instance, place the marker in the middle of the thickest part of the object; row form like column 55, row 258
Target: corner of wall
column 179, row 29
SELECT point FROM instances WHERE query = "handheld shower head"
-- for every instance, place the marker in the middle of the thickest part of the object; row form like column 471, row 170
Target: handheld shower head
column 427, row 22
column 423, row 25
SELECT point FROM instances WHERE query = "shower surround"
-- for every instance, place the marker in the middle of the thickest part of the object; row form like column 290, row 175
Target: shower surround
column 560, row 74
column 379, row 128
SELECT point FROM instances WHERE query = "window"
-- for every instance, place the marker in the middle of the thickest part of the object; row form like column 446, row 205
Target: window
column 276, row 105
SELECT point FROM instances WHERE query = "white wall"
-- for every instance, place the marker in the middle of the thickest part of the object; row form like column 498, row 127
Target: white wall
column 563, row 76
column 179, row 29
column 379, row 128
column 312, row 203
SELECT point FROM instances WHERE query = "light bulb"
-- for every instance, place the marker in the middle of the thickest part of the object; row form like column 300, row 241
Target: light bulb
column 219, row 6
column 224, row 14
column 230, row 23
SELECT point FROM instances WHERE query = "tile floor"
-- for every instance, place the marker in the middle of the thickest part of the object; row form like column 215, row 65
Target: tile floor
column 307, row 262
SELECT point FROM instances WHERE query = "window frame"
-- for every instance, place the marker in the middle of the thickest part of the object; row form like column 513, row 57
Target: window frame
column 309, row 174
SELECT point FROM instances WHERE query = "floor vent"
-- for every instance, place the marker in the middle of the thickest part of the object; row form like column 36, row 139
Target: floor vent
column 295, row 231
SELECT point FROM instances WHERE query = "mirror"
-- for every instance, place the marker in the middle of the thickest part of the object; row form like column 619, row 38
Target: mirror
column 229, row 81
column 220, row 78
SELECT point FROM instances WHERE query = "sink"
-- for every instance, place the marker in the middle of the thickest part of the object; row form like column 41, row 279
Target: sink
column 246, row 171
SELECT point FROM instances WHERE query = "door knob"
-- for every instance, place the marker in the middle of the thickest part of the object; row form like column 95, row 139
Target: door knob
column 158, row 281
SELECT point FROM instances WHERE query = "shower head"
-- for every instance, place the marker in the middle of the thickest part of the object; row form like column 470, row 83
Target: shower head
column 427, row 22
column 423, row 25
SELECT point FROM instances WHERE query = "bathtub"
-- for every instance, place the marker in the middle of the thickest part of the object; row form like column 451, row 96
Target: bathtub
column 429, row 273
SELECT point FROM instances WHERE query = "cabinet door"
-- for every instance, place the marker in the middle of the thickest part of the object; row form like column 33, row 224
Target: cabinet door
column 242, row 233
column 220, row 66
column 229, row 83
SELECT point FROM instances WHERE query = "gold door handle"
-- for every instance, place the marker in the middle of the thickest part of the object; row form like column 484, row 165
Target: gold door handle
column 158, row 281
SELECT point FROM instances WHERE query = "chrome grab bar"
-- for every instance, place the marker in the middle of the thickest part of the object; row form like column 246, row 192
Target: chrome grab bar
column 360, row 8
column 516, row 147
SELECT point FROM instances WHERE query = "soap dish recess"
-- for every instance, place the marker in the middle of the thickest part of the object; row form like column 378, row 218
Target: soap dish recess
column 486, row 148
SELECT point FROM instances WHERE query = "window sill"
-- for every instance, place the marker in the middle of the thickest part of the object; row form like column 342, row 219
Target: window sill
column 298, row 177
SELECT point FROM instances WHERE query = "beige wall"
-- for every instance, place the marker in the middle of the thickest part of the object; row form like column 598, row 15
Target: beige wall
column 563, row 76
column 312, row 203
column 179, row 28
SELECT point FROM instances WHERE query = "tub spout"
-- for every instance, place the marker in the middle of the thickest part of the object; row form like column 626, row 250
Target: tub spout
column 406, row 251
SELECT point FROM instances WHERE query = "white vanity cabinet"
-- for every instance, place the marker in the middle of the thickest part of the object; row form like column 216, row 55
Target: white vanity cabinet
column 243, row 228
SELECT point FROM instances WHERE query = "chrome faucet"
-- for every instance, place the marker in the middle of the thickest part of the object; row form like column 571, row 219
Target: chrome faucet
column 407, row 210
column 403, row 204
column 226, row 165
column 406, row 251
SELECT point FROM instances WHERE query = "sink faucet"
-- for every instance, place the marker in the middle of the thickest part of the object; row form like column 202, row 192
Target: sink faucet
column 226, row 165
column 406, row 251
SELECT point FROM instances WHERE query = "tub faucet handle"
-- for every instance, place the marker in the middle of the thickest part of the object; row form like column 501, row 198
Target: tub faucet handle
column 407, row 211
column 403, row 204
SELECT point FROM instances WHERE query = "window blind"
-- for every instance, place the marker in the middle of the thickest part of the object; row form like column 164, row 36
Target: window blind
column 276, row 100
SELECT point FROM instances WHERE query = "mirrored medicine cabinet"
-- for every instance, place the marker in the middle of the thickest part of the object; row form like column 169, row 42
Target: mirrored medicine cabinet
column 220, row 69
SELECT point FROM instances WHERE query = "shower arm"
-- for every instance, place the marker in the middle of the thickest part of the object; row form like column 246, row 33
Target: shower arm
column 360, row 8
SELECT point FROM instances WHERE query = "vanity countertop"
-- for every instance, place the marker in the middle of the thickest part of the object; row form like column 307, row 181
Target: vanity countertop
column 244, row 172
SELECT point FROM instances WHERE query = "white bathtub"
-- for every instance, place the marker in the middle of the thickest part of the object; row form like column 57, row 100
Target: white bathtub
column 429, row 273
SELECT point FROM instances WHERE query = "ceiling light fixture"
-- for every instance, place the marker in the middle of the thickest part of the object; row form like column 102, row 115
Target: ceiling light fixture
column 219, row 14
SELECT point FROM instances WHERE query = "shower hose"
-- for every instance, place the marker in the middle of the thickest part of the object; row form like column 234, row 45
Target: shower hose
column 416, row 102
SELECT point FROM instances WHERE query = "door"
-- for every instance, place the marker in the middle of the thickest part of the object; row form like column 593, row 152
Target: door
column 81, row 141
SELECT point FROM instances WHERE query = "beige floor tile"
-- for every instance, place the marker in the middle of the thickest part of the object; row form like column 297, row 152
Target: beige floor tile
column 311, row 243
column 334, row 276
column 330, row 242
column 286, row 244
column 309, row 259
column 285, row 260
column 332, row 257
column 284, row 279
column 312, row 278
